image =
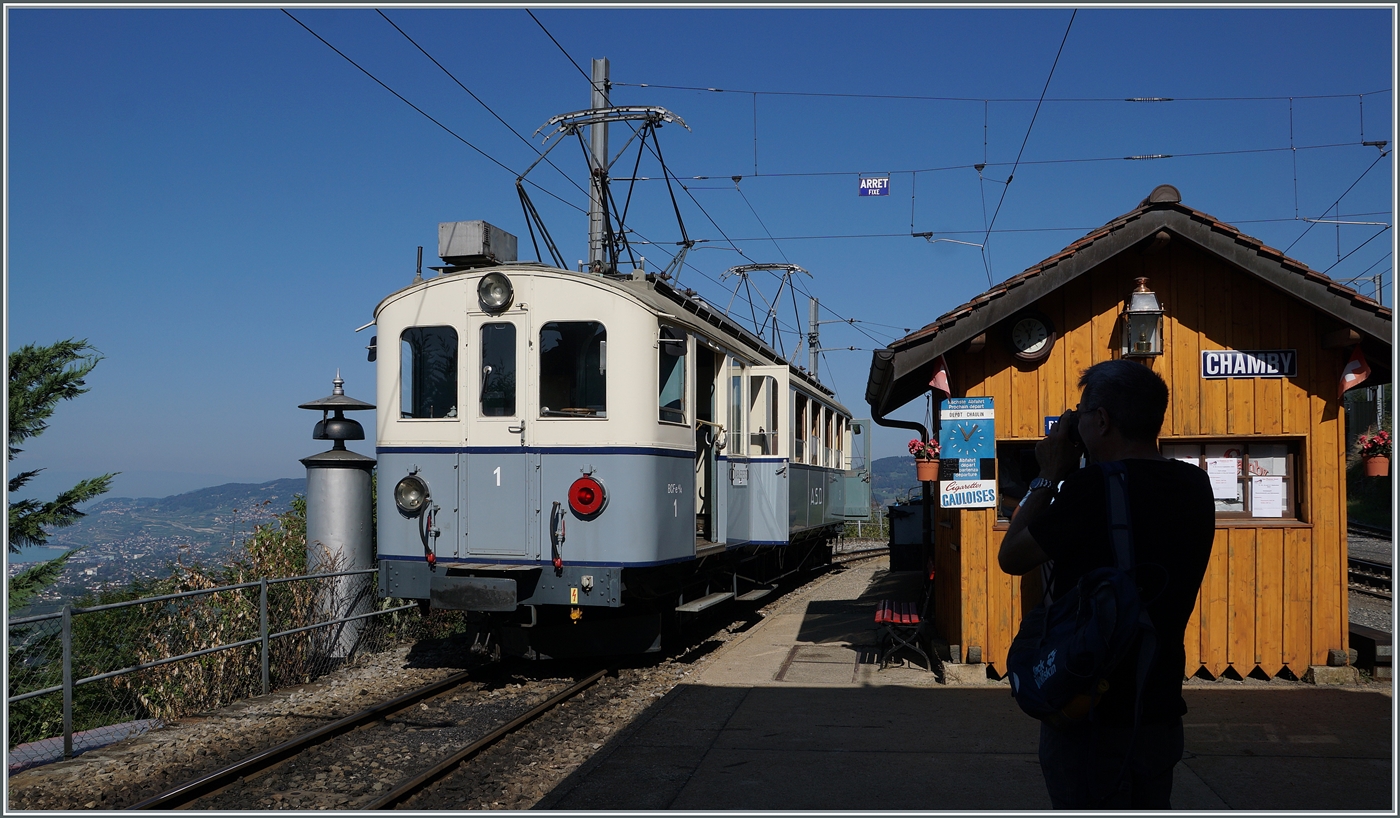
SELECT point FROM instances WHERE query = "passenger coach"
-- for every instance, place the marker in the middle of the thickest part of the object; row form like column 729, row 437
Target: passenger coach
column 578, row 457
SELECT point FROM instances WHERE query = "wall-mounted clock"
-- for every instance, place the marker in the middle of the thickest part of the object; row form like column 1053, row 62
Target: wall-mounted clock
column 1030, row 336
column 968, row 438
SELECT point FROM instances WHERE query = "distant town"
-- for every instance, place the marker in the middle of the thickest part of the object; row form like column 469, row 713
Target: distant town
column 124, row 539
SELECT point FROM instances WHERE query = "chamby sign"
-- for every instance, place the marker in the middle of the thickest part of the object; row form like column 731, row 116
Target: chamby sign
column 1249, row 363
column 875, row 186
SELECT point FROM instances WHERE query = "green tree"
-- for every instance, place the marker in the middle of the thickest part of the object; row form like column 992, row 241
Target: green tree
column 27, row 584
column 40, row 377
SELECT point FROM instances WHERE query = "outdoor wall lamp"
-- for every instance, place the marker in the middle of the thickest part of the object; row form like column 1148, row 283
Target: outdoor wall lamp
column 1142, row 323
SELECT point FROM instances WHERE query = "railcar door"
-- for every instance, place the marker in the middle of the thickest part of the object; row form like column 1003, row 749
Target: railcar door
column 499, row 478
column 707, row 442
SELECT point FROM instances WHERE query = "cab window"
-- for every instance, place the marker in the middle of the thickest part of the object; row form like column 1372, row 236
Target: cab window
column 498, row 370
column 428, row 373
column 573, row 369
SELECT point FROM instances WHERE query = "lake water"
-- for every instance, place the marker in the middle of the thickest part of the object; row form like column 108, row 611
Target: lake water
column 36, row 553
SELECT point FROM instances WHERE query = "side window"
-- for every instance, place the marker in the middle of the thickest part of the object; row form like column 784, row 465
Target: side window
column 428, row 373
column 830, row 439
column 839, row 443
column 799, row 428
column 736, row 407
column 573, row 369
column 1250, row 480
column 763, row 415
column 498, row 370
column 814, row 440
column 671, row 375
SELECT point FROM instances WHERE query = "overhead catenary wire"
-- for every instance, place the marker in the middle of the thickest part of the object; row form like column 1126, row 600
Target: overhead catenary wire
column 1068, row 161
column 1383, row 155
column 989, row 227
column 779, row 247
column 1366, row 273
column 479, row 100
column 561, row 48
column 924, row 98
column 653, row 152
column 1026, row 139
column 1354, row 249
column 425, row 114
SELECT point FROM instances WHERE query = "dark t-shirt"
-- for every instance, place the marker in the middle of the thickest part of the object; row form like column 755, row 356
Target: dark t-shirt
column 1173, row 519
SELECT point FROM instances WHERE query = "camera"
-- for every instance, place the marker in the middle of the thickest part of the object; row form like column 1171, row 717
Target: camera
column 1070, row 421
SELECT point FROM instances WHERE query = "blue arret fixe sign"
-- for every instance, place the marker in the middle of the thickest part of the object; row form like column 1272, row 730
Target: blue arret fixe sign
column 1249, row 363
column 875, row 186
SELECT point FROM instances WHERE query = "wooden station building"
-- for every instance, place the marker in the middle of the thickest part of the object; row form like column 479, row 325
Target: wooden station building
column 1275, row 592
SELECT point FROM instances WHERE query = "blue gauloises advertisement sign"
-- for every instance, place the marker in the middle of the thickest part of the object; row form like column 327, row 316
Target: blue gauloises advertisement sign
column 967, row 435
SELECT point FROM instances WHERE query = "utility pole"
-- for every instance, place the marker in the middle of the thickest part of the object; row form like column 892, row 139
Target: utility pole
column 1380, row 390
column 812, row 333
column 598, row 171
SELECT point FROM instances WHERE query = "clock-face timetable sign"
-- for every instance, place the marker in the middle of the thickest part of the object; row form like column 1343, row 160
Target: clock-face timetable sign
column 967, row 434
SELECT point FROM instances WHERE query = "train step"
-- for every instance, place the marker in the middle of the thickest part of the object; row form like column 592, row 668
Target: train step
column 757, row 593
column 698, row 605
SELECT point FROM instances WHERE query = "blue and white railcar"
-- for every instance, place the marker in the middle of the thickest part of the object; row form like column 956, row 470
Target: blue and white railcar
column 578, row 457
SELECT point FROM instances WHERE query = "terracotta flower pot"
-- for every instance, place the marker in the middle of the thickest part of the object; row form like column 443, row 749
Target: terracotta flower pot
column 1377, row 465
column 926, row 469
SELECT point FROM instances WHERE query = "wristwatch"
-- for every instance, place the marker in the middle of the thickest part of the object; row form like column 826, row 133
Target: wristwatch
column 1037, row 483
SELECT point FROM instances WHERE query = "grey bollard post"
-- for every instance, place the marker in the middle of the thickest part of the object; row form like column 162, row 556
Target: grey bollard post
column 338, row 520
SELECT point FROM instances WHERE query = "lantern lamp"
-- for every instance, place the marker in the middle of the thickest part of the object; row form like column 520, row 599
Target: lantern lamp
column 1142, row 323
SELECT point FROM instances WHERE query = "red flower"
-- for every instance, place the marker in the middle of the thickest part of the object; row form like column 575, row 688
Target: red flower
column 1376, row 445
column 922, row 450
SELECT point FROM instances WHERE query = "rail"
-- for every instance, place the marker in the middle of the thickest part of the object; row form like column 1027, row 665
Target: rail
column 190, row 791
column 341, row 612
column 1369, row 577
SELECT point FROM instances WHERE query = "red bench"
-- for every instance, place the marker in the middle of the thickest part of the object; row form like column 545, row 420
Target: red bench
column 900, row 627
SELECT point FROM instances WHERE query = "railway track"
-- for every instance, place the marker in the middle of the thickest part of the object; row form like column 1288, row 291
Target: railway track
column 1369, row 530
column 237, row 785
column 1369, row 577
column 492, row 724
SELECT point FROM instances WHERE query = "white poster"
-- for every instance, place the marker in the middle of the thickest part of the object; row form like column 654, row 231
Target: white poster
column 1268, row 496
column 967, row 494
column 1224, row 477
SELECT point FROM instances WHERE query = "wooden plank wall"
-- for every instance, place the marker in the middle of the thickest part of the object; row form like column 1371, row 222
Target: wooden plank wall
column 1274, row 594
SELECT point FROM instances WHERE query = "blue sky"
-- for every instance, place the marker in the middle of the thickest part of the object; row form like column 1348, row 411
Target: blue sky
column 216, row 200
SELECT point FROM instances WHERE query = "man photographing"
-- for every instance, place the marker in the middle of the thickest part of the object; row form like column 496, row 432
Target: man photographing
column 1064, row 518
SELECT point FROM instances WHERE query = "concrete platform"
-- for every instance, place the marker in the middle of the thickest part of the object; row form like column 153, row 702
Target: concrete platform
column 796, row 715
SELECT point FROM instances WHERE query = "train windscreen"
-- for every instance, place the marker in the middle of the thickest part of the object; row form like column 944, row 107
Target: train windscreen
column 573, row 369
column 428, row 373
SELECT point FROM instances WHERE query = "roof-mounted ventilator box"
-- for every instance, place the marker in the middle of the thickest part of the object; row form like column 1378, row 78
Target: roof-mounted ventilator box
column 474, row 244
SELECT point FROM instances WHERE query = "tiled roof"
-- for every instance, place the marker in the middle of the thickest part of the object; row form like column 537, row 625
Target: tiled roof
column 1165, row 198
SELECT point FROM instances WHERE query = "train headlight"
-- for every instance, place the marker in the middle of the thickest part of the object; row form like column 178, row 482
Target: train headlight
column 410, row 495
column 494, row 292
column 586, row 497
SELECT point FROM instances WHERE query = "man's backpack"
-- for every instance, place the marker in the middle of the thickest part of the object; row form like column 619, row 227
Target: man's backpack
column 1061, row 658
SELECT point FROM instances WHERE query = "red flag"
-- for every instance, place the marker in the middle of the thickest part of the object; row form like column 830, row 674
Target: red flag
column 939, row 380
column 1356, row 371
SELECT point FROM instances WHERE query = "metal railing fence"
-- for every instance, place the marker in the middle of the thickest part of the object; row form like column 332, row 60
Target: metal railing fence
column 124, row 666
column 874, row 527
